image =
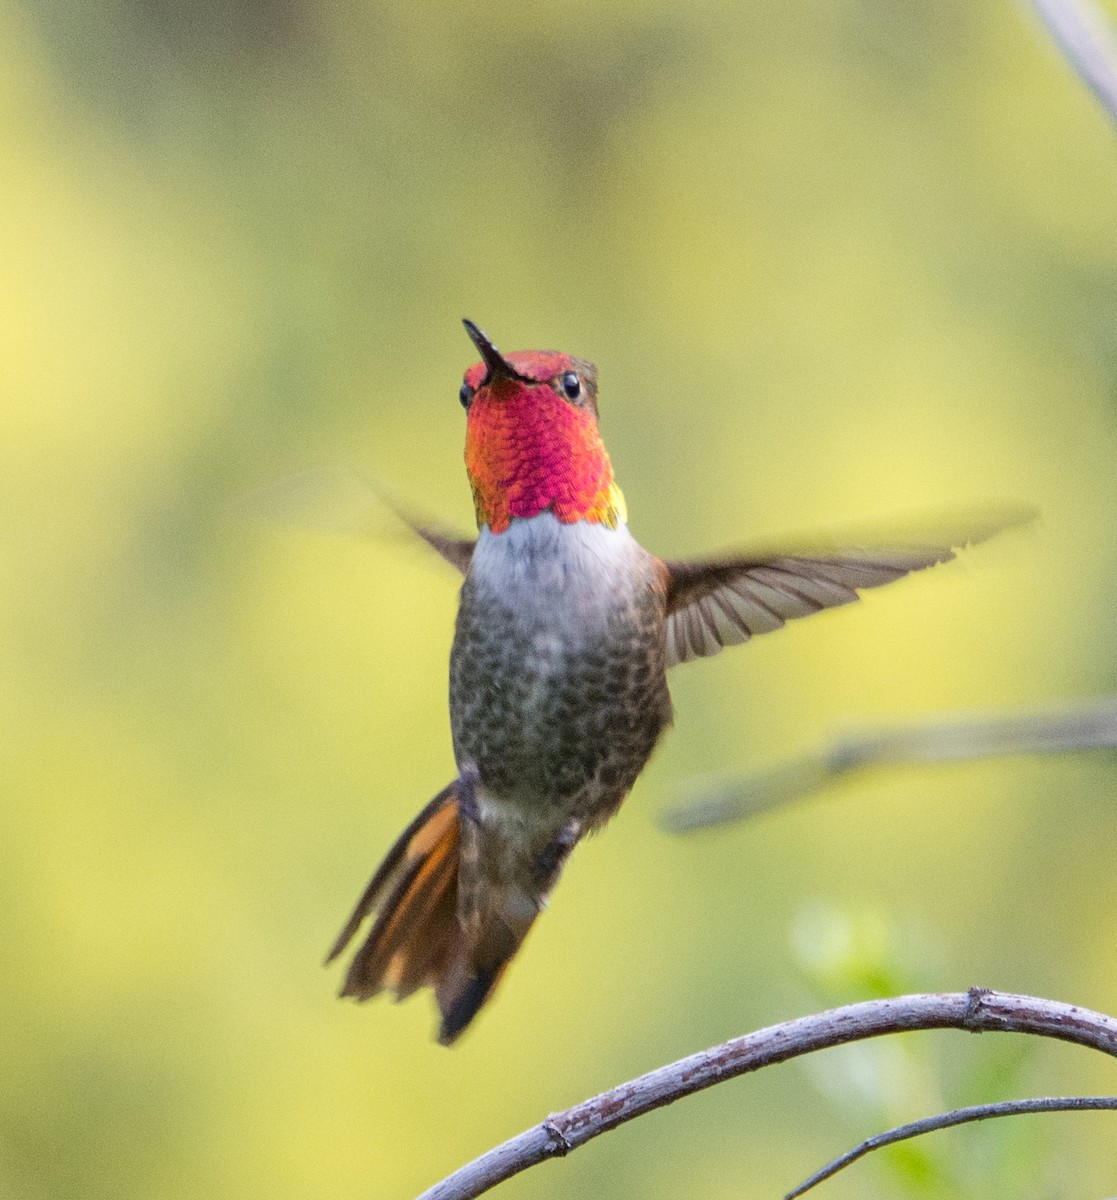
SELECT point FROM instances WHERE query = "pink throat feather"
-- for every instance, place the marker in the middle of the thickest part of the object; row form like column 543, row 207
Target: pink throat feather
column 528, row 450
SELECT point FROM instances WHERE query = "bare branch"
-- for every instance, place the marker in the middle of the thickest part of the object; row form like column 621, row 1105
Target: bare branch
column 958, row 1116
column 1086, row 37
column 976, row 1011
column 1091, row 725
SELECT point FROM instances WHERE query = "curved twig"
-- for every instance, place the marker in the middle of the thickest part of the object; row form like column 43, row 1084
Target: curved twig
column 957, row 1116
column 976, row 1011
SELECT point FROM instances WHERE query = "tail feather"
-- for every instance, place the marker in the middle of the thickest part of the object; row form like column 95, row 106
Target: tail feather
column 387, row 869
column 418, row 938
column 464, row 1002
column 416, row 919
column 425, row 962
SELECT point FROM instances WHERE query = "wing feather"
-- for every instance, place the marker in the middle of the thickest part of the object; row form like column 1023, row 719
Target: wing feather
column 340, row 500
column 727, row 601
column 457, row 551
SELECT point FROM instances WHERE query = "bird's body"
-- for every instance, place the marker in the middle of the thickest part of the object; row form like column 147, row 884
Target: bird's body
column 558, row 676
column 558, row 694
column 558, row 682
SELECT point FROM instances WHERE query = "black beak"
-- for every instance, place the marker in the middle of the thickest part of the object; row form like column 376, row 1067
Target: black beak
column 494, row 360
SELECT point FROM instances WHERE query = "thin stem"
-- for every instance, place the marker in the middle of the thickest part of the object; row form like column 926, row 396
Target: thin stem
column 957, row 1116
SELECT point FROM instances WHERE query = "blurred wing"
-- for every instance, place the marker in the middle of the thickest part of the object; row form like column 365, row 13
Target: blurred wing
column 457, row 551
column 726, row 602
column 339, row 500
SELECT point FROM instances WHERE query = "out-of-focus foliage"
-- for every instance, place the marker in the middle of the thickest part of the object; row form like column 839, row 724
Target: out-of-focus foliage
column 861, row 955
column 834, row 260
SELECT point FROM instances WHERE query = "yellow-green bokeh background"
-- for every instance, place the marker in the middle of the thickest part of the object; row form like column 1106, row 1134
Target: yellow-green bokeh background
column 835, row 260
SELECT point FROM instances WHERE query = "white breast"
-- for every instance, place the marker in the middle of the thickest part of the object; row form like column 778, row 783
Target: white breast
column 564, row 590
column 544, row 564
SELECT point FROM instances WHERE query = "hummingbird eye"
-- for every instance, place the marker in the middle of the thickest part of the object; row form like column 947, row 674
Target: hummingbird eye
column 571, row 385
column 466, row 395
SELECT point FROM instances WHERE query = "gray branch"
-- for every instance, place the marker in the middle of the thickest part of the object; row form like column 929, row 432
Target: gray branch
column 1081, row 29
column 976, row 1011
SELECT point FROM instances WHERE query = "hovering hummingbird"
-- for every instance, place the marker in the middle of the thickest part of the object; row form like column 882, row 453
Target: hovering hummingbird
column 558, row 675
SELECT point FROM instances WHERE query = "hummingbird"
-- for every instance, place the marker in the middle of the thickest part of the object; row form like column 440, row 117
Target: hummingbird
column 565, row 632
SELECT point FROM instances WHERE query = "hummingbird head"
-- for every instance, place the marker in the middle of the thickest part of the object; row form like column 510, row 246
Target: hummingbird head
column 532, row 444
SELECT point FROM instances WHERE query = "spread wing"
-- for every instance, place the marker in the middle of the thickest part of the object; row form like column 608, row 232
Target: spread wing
column 727, row 601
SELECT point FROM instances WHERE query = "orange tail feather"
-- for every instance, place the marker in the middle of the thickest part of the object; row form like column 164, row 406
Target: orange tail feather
column 417, row 939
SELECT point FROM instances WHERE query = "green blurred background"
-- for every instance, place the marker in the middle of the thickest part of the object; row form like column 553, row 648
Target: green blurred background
column 835, row 260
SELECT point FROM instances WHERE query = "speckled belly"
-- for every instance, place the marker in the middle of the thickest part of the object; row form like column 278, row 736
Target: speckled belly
column 557, row 685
